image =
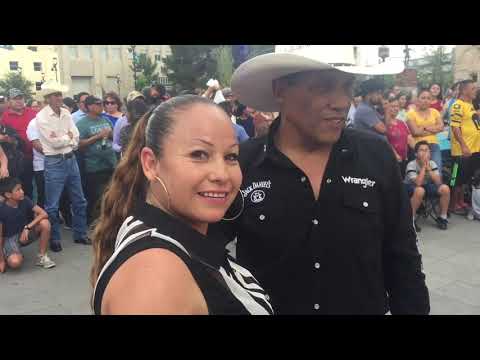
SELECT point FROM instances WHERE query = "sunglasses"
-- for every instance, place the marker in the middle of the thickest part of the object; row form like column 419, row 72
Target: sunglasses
column 109, row 103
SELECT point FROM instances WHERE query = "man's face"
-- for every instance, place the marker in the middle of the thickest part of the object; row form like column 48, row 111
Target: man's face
column 95, row 109
column 81, row 103
column 316, row 104
column 154, row 93
column 17, row 103
column 377, row 98
column 55, row 100
column 470, row 91
column 357, row 100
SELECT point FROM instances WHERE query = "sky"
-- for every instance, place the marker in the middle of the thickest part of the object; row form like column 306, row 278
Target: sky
column 396, row 51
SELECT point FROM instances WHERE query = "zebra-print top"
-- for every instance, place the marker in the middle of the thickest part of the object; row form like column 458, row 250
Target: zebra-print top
column 227, row 287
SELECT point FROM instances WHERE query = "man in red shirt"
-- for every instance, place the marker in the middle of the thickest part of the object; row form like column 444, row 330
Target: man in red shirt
column 17, row 117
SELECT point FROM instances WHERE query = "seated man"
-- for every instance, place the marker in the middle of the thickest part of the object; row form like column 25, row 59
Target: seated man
column 17, row 227
column 423, row 178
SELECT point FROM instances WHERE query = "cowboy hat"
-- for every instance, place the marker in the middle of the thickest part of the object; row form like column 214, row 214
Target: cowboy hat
column 51, row 87
column 252, row 81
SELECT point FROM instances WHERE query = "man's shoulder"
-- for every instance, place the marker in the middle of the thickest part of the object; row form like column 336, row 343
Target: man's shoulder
column 363, row 109
column 251, row 149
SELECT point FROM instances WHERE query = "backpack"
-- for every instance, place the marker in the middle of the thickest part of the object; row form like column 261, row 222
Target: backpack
column 13, row 152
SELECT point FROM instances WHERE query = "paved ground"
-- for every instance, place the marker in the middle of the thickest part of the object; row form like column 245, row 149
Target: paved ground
column 451, row 262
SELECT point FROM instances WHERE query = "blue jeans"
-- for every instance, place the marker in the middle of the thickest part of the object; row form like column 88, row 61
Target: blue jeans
column 436, row 156
column 60, row 173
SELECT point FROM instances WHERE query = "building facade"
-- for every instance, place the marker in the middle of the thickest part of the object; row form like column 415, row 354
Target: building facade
column 467, row 62
column 37, row 63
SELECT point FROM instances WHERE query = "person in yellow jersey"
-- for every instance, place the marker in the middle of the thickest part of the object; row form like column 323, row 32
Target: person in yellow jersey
column 465, row 125
column 425, row 123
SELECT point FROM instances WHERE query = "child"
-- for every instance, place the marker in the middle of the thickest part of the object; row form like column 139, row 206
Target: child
column 17, row 228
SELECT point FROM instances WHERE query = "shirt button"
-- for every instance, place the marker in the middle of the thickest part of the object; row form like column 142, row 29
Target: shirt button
column 262, row 217
column 317, row 265
column 316, row 306
column 329, row 181
column 315, row 221
column 267, row 297
column 303, row 179
column 365, row 204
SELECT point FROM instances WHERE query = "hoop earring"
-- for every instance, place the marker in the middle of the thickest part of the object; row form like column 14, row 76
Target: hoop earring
column 165, row 188
column 241, row 210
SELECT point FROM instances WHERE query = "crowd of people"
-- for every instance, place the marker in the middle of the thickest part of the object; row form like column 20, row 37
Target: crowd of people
column 311, row 186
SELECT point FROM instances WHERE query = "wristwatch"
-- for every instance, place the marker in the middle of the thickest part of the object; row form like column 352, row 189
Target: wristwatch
column 27, row 227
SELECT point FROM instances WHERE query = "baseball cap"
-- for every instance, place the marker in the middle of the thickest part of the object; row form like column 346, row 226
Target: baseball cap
column 134, row 95
column 13, row 93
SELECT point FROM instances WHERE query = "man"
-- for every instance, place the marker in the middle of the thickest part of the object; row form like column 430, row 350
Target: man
column 422, row 178
column 3, row 105
column 100, row 159
column 324, row 222
column 244, row 118
column 465, row 126
column 366, row 116
column 351, row 112
column 82, row 111
column 123, row 121
column 17, row 117
column 59, row 137
column 155, row 95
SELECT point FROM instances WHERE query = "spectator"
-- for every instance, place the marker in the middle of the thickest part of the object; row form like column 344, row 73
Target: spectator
column 3, row 105
column 100, row 159
column 423, row 179
column 35, row 105
column 113, row 105
column 262, row 121
column 17, row 117
column 437, row 99
column 424, row 123
column 402, row 103
column 240, row 132
column 412, row 100
column 59, row 136
column 82, row 111
column 398, row 135
column 447, row 107
column 243, row 118
column 351, row 112
column 70, row 104
column 135, row 110
column 465, row 126
column 155, row 95
column 366, row 116
column 17, row 228
column 123, row 121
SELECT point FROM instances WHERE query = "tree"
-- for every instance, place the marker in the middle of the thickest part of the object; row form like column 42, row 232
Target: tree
column 224, row 60
column 433, row 71
column 18, row 81
column 190, row 66
column 147, row 69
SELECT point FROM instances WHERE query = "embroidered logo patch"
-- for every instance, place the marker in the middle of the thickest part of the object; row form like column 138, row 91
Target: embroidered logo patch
column 366, row 182
column 257, row 196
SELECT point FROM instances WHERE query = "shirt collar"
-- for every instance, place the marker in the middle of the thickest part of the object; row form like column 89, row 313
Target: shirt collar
column 343, row 145
column 210, row 249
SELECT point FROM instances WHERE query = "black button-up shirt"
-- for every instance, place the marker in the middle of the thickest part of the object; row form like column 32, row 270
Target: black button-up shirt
column 352, row 251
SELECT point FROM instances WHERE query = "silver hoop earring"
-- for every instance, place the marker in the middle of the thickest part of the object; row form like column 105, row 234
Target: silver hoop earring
column 241, row 210
column 166, row 191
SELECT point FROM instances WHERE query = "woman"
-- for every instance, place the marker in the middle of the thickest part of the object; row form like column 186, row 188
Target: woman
column 402, row 103
column 436, row 91
column 135, row 110
column 424, row 123
column 154, row 253
column 112, row 105
column 35, row 105
column 398, row 135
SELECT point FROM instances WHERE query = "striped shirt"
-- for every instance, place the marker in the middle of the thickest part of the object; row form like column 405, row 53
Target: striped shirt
column 228, row 288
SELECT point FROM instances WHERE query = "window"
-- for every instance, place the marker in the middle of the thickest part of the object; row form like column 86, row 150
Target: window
column 103, row 54
column 163, row 80
column 37, row 66
column 116, row 54
column 13, row 65
column 73, row 51
column 32, row 48
column 87, row 52
column 38, row 86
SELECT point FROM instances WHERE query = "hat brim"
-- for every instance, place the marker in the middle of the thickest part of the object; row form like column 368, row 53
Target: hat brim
column 49, row 91
column 252, row 81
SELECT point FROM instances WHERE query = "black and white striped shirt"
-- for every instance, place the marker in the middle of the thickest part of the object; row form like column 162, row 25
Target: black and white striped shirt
column 227, row 287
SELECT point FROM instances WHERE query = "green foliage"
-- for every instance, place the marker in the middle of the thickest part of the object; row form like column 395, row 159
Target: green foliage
column 256, row 50
column 224, row 60
column 146, row 71
column 190, row 66
column 434, row 71
column 18, row 81
column 389, row 81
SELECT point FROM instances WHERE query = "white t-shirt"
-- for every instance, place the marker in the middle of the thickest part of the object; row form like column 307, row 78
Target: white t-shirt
column 33, row 134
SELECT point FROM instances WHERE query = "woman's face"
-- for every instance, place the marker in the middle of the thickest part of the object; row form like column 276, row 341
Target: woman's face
column 199, row 166
column 435, row 90
column 111, row 105
column 394, row 108
column 424, row 100
column 402, row 101
column 36, row 106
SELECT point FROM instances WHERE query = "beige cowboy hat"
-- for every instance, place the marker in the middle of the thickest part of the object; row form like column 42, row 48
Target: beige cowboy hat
column 252, row 81
column 51, row 87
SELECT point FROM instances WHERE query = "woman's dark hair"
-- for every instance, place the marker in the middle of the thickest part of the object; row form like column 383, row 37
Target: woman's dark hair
column 8, row 183
column 227, row 107
column 420, row 143
column 422, row 90
column 129, row 184
column 113, row 95
column 160, row 88
column 440, row 94
column 68, row 101
column 135, row 110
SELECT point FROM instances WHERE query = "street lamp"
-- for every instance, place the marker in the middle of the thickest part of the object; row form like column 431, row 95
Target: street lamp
column 54, row 68
column 383, row 52
column 407, row 55
column 131, row 49
column 43, row 77
column 118, row 83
